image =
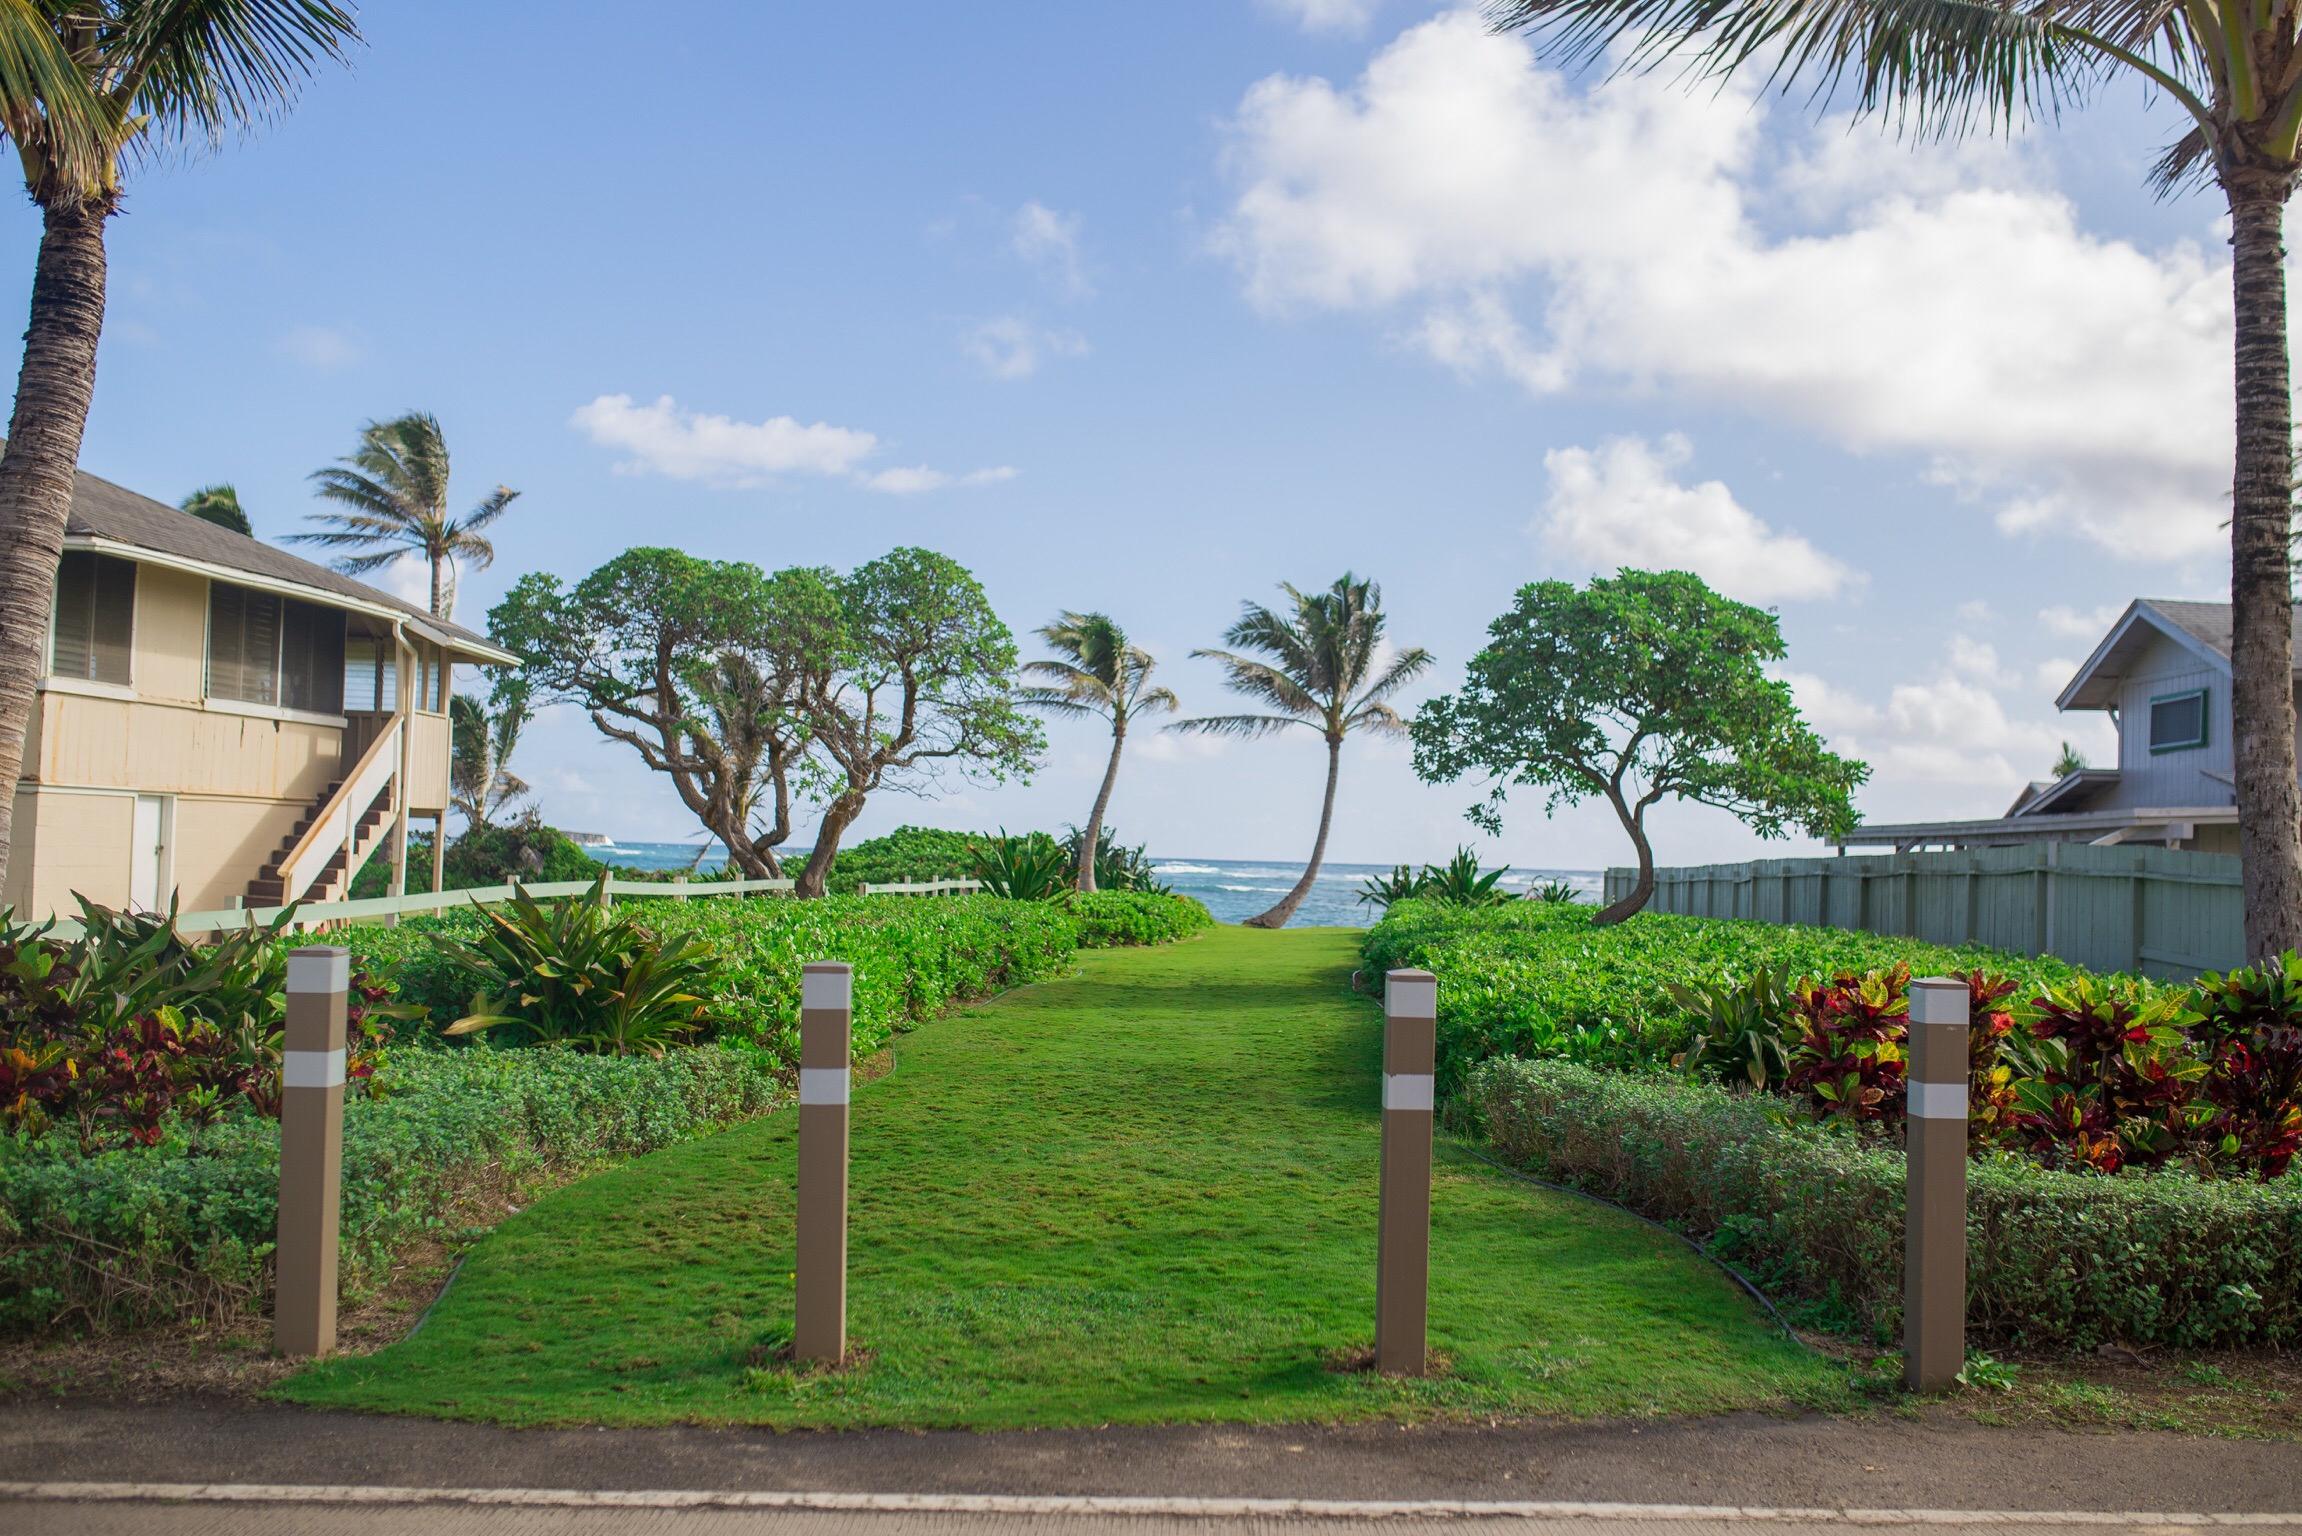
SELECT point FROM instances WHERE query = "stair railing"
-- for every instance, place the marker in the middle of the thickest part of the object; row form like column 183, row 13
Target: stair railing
column 337, row 827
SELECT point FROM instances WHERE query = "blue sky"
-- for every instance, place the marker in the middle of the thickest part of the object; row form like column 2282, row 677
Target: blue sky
column 1147, row 309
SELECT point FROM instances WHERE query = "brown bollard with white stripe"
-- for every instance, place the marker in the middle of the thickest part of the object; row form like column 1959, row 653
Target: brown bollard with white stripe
column 311, row 1151
column 1403, row 1257
column 1934, row 1215
column 819, row 1278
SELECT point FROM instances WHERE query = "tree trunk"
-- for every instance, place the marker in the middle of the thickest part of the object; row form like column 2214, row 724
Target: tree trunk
column 1277, row 917
column 53, row 391
column 1094, row 838
column 1643, row 888
column 2261, row 594
column 837, row 818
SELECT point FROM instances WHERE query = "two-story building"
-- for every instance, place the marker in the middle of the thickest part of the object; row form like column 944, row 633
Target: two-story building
column 223, row 721
column 2162, row 674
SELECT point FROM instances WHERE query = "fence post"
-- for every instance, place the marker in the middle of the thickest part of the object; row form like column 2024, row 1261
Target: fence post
column 1403, row 1249
column 819, row 1277
column 1934, row 1211
column 311, row 1151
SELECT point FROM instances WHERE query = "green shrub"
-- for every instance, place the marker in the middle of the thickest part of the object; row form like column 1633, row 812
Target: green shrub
column 1033, row 867
column 908, row 855
column 1106, row 918
column 184, row 1229
column 2055, row 1259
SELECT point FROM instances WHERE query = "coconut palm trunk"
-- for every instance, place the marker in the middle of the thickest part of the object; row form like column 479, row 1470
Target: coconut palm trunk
column 1093, row 841
column 1280, row 915
column 53, row 393
column 2261, row 590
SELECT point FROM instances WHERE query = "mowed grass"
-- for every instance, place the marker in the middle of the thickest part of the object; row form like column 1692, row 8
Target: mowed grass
column 1143, row 1193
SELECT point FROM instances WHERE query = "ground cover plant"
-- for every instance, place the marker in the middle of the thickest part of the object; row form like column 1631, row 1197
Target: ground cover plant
column 1141, row 1192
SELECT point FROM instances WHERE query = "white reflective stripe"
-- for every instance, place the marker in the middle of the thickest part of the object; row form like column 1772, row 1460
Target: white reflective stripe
column 1938, row 1101
column 1938, row 1000
column 823, row 1085
column 320, row 973
column 311, row 1069
column 826, row 989
column 1405, row 998
column 1407, row 1090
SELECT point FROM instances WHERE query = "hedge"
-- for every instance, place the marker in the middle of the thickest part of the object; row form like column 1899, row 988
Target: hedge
column 2055, row 1259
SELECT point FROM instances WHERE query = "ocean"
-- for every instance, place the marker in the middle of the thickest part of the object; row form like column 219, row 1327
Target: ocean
column 1233, row 889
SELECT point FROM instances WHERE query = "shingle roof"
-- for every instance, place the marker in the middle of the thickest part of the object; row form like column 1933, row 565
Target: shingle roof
column 2209, row 623
column 103, row 510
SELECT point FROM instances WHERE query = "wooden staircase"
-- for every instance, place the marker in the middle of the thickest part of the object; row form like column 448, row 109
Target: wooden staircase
column 270, row 887
column 318, row 860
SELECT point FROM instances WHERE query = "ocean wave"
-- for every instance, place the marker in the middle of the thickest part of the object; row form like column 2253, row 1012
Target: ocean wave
column 1186, row 869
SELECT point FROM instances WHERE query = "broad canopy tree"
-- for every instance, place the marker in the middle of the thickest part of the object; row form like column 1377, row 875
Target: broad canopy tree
column 1643, row 687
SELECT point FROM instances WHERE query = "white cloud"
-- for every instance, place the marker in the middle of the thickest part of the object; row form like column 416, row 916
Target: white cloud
column 2072, row 624
column 1977, row 659
column 1950, row 310
column 1325, row 15
column 664, row 438
column 1619, row 505
column 1830, row 709
column 1050, row 241
column 1011, row 347
column 319, row 347
column 408, row 578
column 2054, row 675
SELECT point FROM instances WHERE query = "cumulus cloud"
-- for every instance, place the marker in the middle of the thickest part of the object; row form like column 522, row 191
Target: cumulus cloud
column 1620, row 504
column 1012, row 347
column 1507, row 221
column 1050, row 241
column 1325, row 15
column 2071, row 623
column 665, row 438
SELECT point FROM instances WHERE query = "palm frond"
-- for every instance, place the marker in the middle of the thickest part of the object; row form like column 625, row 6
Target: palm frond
column 1405, row 667
column 1236, row 725
column 1055, row 701
column 1262, row 681
column 492, row 506
column 205, row 66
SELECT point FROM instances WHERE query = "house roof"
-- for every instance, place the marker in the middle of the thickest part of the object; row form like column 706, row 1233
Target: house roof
column 2202, row 628
column 113, row 514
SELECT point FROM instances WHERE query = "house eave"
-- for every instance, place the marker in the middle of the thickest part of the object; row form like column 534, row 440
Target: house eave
column 2067, row 826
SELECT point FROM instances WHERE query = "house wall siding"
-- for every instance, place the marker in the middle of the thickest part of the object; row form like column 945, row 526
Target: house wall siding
column 80, row 845
column 165, row 748
column 221, row 843
column 2181, row 778
column 170, row 658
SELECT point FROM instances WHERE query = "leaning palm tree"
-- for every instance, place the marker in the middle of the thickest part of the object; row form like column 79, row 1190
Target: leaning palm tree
column 1096, row 673
column 394, row 487
column 1943, row 68
column 218, row 504
column 481, row 740
column 85, row 88
column 1326, row 671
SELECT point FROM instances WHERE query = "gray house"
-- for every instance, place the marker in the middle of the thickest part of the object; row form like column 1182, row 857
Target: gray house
column 2163, row 675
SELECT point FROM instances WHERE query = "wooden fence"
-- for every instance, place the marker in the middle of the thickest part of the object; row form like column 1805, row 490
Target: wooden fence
column 2158, row 911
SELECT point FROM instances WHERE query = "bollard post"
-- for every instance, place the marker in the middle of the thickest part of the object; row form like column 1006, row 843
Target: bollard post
column 1934, row 1214
column 819, row 1277
column 1403, row 1257
column 311, row 1151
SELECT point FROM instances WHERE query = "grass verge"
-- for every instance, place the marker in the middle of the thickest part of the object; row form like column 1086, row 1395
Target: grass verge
column 1143, row 1193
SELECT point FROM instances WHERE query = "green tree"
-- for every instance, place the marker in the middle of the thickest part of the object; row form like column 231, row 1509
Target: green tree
column 394, row 489
column 690, row 663
column 481, row 740
column 1645, row 686
column 909, row 677
column 1096, row 674
column 84, row 89
column 2068, row 761
column 1326, row 671
column 218, row 504
column 1945, row 68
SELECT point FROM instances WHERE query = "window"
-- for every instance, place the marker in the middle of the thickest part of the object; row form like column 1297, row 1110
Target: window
column 95, row 618
column 266, row 649
column 2178, row 721
column 371, row 675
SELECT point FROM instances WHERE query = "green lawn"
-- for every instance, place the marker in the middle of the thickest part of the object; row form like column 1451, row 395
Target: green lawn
column 1143, row 1193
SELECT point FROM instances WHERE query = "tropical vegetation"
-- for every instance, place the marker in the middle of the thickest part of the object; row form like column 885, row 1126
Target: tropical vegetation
column 218, row 504
column 1947, row 68
column 1323, row 664
column 393, row 494
column 481, row 740
column 1096, row 673
column 84, row 90
column 1641, row 687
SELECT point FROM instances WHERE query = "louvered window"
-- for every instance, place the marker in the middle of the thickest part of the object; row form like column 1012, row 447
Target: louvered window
column 371, row 675
column 312, row 658
column 95, row 618
column 267, row 649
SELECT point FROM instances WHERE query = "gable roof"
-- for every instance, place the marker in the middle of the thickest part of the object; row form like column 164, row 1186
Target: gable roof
column 2200, row 628
column 112, row 514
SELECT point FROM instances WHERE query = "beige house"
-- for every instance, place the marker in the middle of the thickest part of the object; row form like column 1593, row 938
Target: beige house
column 223, row 721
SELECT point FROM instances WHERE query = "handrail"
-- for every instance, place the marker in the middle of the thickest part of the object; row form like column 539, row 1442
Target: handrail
column 328, row 831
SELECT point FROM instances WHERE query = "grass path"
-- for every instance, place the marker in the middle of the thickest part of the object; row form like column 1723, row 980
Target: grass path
column 1142, row 1193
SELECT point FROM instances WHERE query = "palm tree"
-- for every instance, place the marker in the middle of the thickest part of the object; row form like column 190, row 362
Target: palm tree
column 2067, row 762
column 1950, row 67
column 481, row 740
column 1323, row 655
column 1098, row 673
column 218, row 504
column 83, row 87
column 395, row 485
